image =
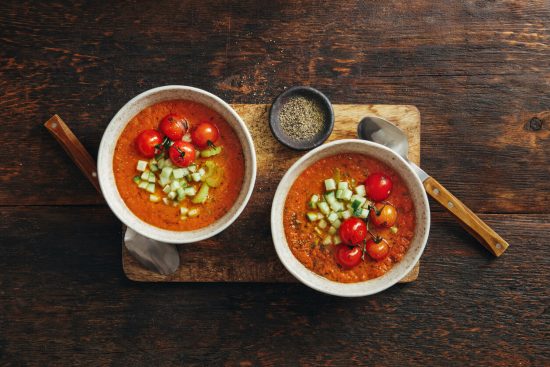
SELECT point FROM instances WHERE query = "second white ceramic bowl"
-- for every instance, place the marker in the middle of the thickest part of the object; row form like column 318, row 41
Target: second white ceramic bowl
column 399, row 270
column 116, row 126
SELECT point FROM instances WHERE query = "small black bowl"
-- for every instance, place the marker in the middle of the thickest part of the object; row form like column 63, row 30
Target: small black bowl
column 302, row 144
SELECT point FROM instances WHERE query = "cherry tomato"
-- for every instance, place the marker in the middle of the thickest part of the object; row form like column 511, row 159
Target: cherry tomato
column 353, row 231
column 378, row 186
column 205, row 134
column 173, row 126
column 377, row 250
column 348, row 256
column 383, row 215
column 149, row 142
column 182, row 153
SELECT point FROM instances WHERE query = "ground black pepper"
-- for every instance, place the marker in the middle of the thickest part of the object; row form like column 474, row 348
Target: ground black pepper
column 301, row 118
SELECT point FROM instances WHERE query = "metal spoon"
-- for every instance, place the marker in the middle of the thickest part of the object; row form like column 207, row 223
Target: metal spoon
column 383, row 132
column 157, row 256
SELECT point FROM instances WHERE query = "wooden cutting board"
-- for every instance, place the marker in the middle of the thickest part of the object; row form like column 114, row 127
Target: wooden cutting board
column 244, row 252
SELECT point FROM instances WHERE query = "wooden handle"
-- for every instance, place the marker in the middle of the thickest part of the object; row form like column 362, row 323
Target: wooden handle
column 74, row 148
column 471, row 222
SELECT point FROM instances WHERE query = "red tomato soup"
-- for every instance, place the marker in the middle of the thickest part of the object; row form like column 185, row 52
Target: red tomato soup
column 174, row 202
column 319, row 214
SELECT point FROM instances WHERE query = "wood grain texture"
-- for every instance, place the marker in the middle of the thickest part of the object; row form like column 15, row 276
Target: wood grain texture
column 479, row 72
column 82, row 310
column 246, row 253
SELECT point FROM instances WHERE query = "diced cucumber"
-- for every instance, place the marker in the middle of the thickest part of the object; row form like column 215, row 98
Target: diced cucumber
column 393, row 229
column 210, row 152
column 360, row 190
column 339, row 194
column 153, row 161
column 327, row 240
column 166, row 172
column 364, row 213
column 358, row 198
column 214, row 174
column 330, row 184
column 331, row 230
column 201, row 172
column 181, row 193
column 347, row 195
column 190, row 191
column 141, row 166
column 180, row 172
column 196, row 177
column 346, row 214
column 192, row 168
column 337, row 240
column 330, row 198
column 154, row 198
column 152, row 177
column 332, row 217
column 143, row 184
column 314, row 200
column 174, row 185
column 145, row 176
column 311, row 216
column 193, row 212
column 323, row 207
column 357, row 212
column 318, row 231
column 164, row 181
column 151, row 188
column 343, row 185
column 202, row 195
column 183, row 210
column 166, row 189
column 160, row 163
column 137, row 179
column 153, row 168
column 165, row 201
column 337, row 223
column 168, row 163
column 337, row 206
column 171, row 195
column 322, row 224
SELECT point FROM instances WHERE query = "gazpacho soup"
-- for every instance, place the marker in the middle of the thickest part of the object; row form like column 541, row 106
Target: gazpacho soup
column 178, row 165
column 349, row 218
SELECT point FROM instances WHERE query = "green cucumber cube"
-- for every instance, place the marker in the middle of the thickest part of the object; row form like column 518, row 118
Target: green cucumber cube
column 360, row 190
column 343, row 185
column 323, row 207
column 141, row 166
column 330, row 184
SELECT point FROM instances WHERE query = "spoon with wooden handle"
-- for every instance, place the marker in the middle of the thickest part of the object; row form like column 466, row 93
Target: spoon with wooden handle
column 383, row 132
column 157, row 256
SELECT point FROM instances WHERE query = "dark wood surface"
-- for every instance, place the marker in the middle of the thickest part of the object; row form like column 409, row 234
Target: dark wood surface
column 479, row 71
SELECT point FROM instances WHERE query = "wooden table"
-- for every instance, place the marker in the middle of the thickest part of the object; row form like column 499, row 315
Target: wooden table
column 479, row 71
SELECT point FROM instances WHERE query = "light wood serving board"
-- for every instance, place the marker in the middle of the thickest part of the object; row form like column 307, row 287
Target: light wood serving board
column 244, row 252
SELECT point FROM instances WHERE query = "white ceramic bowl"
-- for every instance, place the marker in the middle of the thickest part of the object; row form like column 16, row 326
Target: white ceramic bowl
column 117, row 125
column 399, row 270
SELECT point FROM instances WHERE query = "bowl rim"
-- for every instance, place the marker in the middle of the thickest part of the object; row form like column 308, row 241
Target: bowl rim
column 125, row 214
column 316, row 281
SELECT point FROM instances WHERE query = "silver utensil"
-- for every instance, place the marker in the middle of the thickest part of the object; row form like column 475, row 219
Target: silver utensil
column 383, row 132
